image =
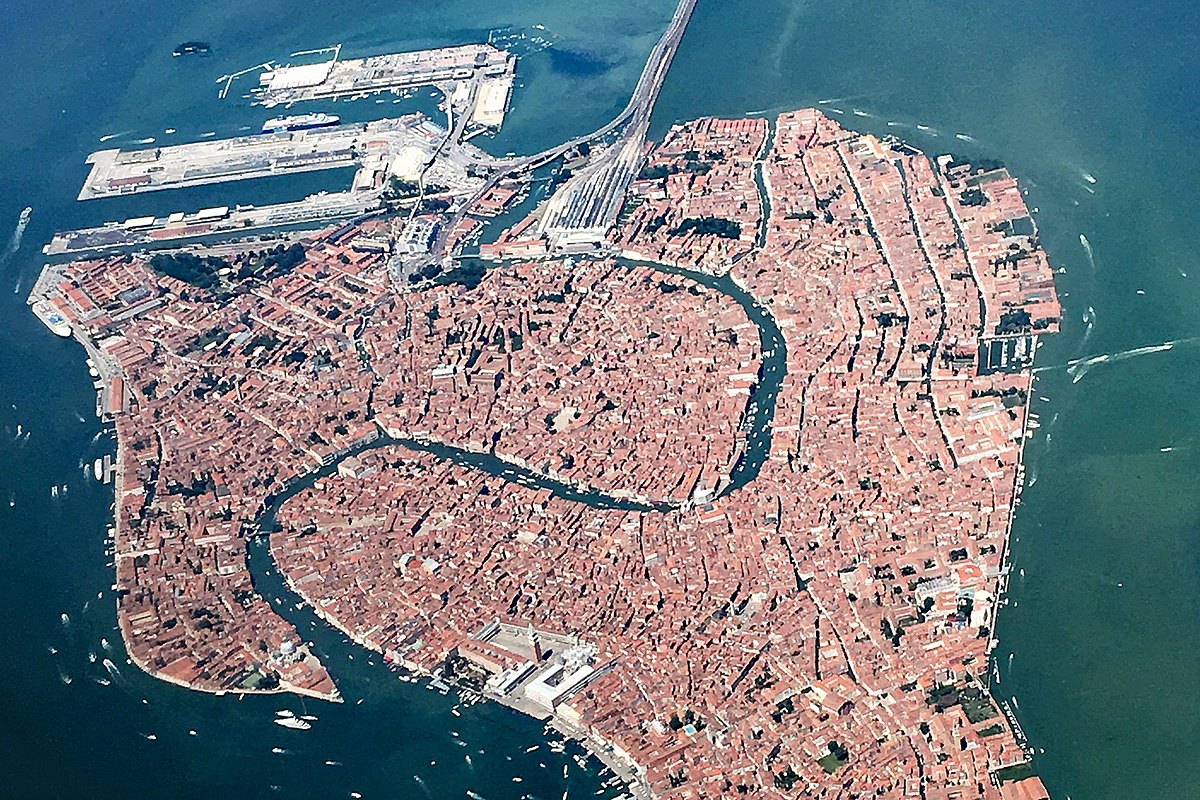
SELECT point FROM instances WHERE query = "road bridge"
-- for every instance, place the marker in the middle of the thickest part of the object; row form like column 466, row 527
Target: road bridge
column 591, row 199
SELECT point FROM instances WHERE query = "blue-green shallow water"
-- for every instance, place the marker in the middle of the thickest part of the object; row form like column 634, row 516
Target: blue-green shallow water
column 1104, row 624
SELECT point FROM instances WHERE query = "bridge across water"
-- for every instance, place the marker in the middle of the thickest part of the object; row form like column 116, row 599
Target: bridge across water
column 592, row 199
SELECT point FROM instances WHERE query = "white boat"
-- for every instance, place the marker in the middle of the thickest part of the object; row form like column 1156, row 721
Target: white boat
column 283, row 712
column 51, row 318
column 98, row 469
column 293, row 723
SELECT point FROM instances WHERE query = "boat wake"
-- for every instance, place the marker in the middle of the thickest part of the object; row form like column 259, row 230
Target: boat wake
column 14, row 241
column 1087, row 248
column 1089, row 319
column 1079, row 367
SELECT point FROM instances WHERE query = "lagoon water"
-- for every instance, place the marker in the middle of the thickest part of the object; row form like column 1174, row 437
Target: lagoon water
column 1092, row 104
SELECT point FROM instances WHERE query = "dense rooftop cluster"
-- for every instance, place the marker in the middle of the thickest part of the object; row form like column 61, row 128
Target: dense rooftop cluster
column 223, row 395
column 621, row 379
column 820, row 632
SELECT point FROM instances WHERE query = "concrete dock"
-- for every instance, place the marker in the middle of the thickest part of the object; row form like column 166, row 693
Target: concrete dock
column 492, row 67
column 151, row 232
column 371, row 147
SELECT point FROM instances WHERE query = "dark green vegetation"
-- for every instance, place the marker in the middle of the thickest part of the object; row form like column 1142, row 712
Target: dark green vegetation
column 974, row 701
column 197, row 271
column 201, row 271
column 704, row 226
column 838, row 756
column 468, row 273
column 1017, row 772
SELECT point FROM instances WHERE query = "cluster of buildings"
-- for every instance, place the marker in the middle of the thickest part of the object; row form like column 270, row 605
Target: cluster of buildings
column 822, row 632
column 578, row 374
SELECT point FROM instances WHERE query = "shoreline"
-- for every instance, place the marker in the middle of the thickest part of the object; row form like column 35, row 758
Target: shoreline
column 594, row 744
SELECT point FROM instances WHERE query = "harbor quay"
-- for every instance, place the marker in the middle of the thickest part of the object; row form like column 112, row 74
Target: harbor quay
column 374, row 147
column 486, row 69
column 144, row 233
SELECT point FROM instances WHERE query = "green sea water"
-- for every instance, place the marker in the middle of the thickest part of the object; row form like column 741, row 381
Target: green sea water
column 1103, row 624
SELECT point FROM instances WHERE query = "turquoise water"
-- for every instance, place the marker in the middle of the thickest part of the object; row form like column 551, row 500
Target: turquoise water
column 1104, row 624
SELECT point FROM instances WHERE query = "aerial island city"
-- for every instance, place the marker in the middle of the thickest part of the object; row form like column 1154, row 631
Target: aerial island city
column 709, row 459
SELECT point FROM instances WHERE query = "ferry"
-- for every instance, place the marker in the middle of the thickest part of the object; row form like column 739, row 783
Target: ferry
column 300, row 122
column 292, row 722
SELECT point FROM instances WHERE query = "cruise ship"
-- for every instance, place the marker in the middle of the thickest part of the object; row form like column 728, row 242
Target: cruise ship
column 300, row 122
column 51, row 318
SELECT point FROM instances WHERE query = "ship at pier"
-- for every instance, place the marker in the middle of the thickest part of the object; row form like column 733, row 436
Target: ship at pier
column 300, row 122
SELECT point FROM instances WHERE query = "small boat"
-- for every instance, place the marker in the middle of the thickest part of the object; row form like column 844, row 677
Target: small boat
column 278, row 750
column 293, row 723
column 283, row 712
column 150, row 736
column 191, row 48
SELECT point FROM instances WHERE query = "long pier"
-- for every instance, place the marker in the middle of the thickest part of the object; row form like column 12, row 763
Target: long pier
column 156, row 232
column 370, row 146
column 486, row 64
